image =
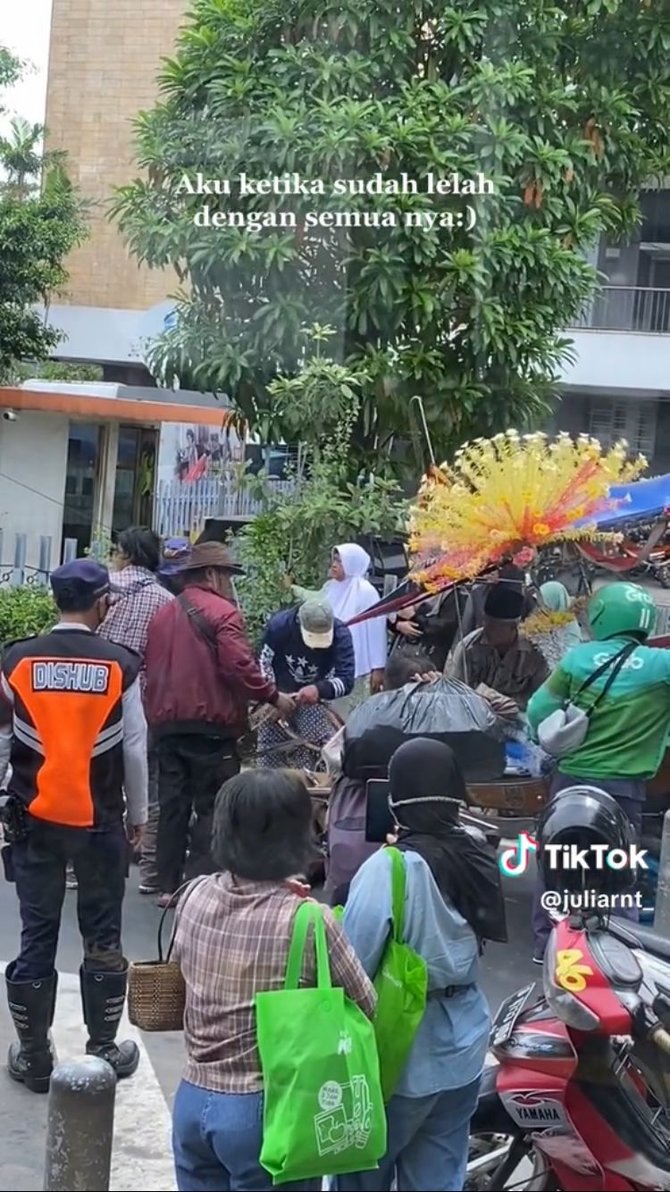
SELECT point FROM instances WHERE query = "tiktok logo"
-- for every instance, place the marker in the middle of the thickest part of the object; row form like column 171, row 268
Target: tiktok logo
column 514, row 861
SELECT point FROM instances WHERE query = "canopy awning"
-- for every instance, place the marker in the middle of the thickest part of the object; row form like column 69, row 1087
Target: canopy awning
column 643, row 500
column 151, row 409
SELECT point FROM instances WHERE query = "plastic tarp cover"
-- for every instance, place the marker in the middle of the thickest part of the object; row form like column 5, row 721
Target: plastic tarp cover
column 642, row 500
column 446, row 711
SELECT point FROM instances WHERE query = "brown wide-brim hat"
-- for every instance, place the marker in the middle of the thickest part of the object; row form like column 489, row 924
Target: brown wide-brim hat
column 209, row 554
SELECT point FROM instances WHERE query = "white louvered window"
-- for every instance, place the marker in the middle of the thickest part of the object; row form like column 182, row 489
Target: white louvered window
column 634, row 421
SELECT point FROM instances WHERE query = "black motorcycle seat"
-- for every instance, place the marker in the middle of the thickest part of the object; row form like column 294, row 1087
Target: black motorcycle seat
column 637, row 935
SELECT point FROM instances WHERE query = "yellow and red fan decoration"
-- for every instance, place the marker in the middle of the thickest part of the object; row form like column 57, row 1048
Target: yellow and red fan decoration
column 507, row 496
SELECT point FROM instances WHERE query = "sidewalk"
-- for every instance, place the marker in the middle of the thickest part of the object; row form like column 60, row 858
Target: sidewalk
column 142, row 1155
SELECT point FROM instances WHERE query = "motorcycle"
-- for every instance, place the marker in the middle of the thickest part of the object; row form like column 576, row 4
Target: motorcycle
column 577, row 1098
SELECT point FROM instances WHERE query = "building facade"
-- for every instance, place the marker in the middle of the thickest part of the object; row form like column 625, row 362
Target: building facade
column 103, row 65
column 79, row 463
column 619, row 383
column 104, row 62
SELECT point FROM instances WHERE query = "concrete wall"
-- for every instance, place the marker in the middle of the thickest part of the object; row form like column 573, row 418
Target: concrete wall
column 102, row 67
column 615, row 360
column 572, row 412
column 33, row 462
column 95, row 334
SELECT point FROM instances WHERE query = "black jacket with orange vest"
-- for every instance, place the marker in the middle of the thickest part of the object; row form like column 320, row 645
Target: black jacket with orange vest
column 73, row 728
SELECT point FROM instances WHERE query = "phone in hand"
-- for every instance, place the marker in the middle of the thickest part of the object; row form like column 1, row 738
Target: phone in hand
column 379, row 822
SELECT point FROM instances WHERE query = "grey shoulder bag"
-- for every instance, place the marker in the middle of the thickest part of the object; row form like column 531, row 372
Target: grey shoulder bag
column 564, row 731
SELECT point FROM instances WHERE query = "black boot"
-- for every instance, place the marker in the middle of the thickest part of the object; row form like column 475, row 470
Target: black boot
column 31, row 1005
column 102, row 997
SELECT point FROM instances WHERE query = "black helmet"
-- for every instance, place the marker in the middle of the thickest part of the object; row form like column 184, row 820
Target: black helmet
column 582, row 816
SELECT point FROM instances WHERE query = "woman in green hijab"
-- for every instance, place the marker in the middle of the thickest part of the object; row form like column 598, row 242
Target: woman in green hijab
column 553, row 627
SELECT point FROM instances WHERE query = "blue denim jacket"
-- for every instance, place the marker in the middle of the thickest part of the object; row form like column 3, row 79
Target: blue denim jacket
column 450, row 1047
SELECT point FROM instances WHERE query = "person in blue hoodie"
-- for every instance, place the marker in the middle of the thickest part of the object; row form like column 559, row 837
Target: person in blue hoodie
column 310, row 656
column 453, row 902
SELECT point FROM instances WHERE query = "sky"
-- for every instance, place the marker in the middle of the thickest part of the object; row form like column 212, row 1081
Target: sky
column 24, row 29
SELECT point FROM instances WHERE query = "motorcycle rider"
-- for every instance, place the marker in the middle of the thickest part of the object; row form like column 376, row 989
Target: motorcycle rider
column 628, row 725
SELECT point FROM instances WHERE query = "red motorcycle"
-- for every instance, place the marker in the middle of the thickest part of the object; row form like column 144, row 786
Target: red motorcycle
column 579, row 1099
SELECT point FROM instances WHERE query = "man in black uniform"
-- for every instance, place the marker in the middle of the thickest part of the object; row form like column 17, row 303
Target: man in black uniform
column 72, row 726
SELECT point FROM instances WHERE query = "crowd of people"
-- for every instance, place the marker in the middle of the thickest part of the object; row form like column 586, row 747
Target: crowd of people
column 121, row 728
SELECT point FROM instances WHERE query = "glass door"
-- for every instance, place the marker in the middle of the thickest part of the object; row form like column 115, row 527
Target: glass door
column 126, row 476
column 133, row 493
column 83, row 464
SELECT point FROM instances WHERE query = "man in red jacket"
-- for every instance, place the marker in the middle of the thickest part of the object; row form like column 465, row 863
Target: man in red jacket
column 201, row 675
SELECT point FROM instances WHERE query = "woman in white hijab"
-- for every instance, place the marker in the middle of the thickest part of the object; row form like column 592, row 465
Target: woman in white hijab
column 349, row 593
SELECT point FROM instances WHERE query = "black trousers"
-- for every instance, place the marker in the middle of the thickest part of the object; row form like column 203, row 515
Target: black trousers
column 191, row 771
column 39, row 861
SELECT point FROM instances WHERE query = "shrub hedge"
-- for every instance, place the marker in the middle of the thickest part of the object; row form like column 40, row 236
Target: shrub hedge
column 25, row 611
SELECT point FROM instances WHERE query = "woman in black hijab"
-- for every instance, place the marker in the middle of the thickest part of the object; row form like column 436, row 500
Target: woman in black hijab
column 426, row 789
column 451, row 885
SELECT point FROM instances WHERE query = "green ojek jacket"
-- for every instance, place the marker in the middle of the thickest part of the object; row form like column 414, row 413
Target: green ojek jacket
column 629, row 729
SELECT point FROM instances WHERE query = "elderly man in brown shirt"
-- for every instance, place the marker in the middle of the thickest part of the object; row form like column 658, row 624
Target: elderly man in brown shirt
column 496, row 660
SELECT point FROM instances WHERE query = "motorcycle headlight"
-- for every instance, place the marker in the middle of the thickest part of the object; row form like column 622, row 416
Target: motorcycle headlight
column 565, row 1005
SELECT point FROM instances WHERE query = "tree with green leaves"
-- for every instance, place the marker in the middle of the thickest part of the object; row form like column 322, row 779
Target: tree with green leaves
column 41, row 221
column 387, row 110
column 22, row 157
column 11, row 68
column 328, row 503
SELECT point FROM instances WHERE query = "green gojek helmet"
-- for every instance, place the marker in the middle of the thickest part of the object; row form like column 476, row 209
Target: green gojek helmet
column 621, row 608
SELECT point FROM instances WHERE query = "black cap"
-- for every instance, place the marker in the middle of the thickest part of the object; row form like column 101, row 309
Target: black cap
column 504, row 602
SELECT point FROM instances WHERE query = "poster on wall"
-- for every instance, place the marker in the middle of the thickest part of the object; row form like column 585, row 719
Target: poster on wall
column 193, row 477
column 190, row 453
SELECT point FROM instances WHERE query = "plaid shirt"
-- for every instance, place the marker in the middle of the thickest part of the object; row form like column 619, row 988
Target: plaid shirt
column 232, row 941
column 127, row 622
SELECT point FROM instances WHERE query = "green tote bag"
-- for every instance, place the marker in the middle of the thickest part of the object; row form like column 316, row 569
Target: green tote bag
column 402, row 989
column 323, row 1106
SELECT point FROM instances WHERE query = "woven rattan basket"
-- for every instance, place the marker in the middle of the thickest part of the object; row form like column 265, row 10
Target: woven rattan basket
column 156, row 989
column 156, row 995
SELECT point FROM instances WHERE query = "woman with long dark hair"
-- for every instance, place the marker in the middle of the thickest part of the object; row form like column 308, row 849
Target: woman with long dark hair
column 232, row 942
column 453, row 901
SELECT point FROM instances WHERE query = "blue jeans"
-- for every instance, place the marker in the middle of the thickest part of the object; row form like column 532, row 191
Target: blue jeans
column 427, row 1145
column 217, row 1138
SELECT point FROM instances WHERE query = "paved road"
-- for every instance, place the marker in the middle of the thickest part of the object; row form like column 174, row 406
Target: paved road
column 141, row 1141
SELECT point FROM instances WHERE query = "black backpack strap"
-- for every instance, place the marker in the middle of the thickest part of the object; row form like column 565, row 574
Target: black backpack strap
column 200, row 625
column 616, row 663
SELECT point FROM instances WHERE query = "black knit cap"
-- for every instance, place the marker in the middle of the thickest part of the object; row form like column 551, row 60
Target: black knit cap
column 504, row 602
